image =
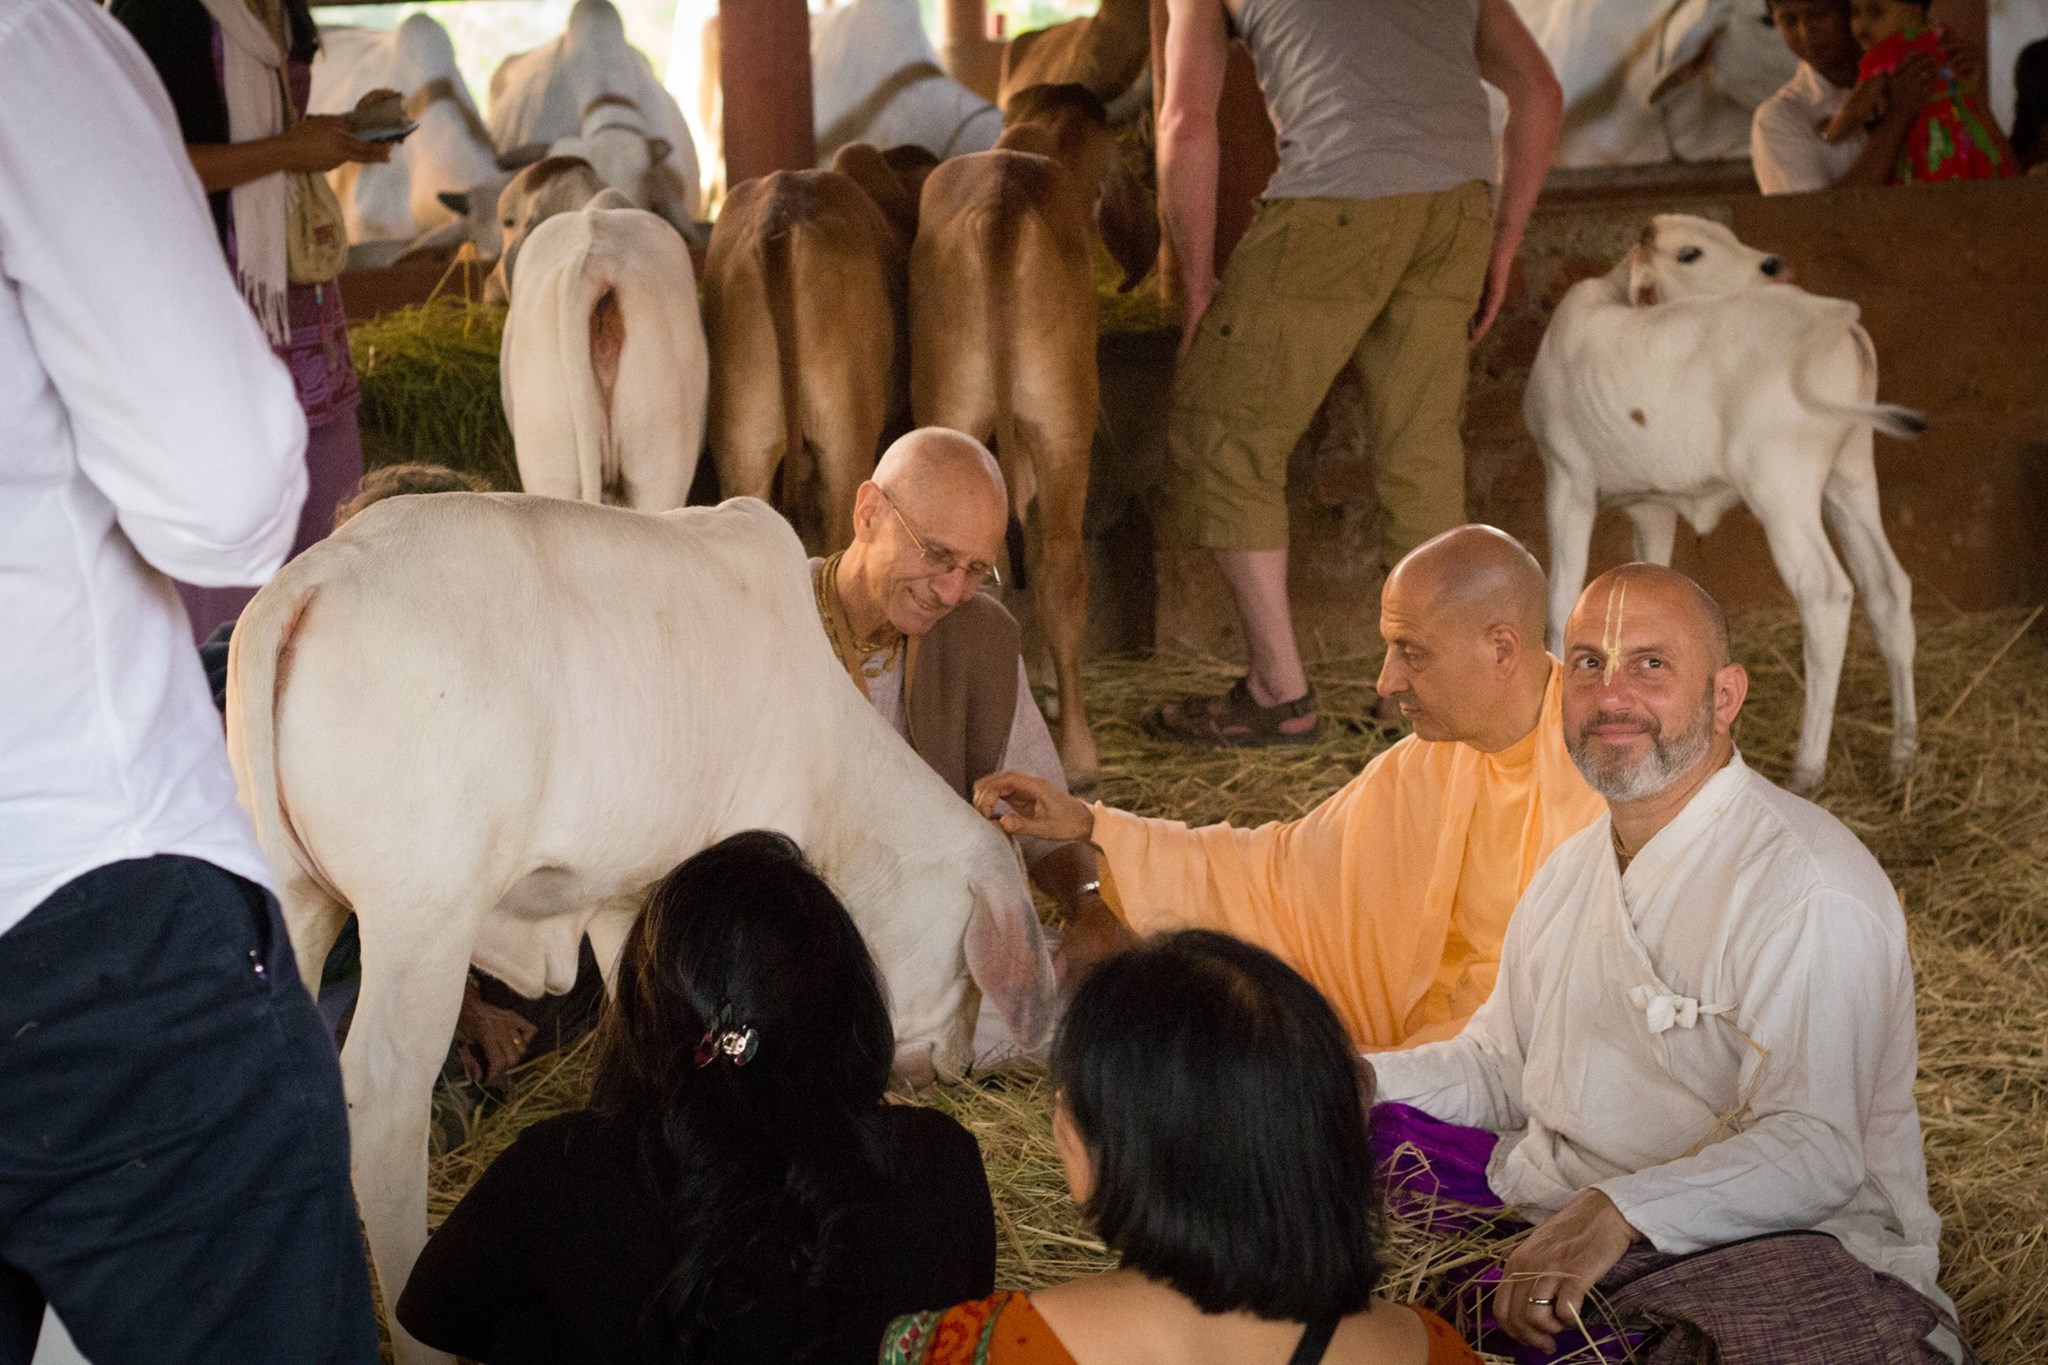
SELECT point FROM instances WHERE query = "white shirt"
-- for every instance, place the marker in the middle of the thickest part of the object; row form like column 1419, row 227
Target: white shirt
column 1721, row 1039
column 1786, row 148
column 145, row 429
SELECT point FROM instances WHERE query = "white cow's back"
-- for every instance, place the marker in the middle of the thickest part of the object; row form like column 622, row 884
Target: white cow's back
column 857, row 47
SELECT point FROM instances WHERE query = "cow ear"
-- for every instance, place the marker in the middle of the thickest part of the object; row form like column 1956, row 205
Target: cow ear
column 455, row 201
column 1642, row 281
column 1128, row 222
column 1009, row 962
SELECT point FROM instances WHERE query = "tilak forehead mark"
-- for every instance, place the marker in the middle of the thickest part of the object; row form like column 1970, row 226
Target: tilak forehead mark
column 1610, row 629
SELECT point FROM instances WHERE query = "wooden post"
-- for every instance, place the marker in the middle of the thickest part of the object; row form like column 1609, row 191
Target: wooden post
column 970, row 57
column 764, row 67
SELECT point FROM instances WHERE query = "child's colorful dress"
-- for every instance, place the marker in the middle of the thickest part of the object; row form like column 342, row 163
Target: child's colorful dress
column 1954, row 137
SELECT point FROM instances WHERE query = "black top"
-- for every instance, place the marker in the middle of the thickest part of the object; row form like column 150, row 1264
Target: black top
column 551, row 1256
column 177, row 37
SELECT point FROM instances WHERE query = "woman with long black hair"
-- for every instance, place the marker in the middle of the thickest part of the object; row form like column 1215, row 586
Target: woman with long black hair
column 738, row 1190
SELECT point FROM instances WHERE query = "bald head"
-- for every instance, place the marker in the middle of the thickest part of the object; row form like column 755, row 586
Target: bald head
column 939, row 475
column 1650, row 696
column 1462, row 616
column 1474, row 578
column 928, row 529
column 1650, row 594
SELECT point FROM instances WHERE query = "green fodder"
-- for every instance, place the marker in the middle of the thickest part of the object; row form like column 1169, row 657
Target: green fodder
column 429, row 377
column 1966, row 843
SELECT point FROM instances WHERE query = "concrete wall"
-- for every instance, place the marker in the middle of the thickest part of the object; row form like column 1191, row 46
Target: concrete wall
column 1953, row 282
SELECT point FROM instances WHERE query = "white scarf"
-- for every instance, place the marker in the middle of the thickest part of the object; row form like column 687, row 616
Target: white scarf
column 252, row 77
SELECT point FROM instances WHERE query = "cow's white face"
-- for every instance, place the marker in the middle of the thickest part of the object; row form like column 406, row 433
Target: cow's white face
column 1682, row 257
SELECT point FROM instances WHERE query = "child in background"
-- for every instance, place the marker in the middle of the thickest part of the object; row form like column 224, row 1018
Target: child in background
column 1955, row 136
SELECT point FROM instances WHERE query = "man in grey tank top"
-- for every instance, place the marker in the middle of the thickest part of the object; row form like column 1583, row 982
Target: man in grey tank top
column 1377, row 240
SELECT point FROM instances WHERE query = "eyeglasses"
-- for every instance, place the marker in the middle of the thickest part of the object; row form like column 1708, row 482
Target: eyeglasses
column 979, row 575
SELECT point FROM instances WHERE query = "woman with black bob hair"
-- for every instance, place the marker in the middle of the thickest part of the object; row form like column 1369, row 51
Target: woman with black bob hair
column 1212, row 1121
column 737, row 1190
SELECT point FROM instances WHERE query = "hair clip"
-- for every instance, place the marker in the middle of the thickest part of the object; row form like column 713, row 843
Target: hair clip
column 738, row 1045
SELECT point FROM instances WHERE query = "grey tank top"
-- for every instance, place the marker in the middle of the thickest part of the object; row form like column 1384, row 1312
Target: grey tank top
column 1371, row 98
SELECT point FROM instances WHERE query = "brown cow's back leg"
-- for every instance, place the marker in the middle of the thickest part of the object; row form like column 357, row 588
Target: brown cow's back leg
column 1059, row 580
column 745, row 413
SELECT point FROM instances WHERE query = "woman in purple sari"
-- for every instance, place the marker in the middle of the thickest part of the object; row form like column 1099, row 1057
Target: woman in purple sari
column 238, row 73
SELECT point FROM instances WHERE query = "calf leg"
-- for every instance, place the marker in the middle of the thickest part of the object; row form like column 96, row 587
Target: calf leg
column 1800, row 549
column 1656, row 526
column 1850, row 506
column 1059, row 585
column 1569, row 508
column 414, row 962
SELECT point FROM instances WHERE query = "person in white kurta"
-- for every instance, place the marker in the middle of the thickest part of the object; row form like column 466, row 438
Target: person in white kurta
column 1702, row 1030
column 1720, row 1039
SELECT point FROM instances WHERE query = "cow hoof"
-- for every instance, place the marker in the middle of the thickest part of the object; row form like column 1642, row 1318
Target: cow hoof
column 1804, row 781
column 1905, row 762
column 1081, row 763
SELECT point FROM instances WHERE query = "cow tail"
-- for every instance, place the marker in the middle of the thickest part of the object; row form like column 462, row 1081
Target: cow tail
column 1890, row 418
column 799, row 470
column 259, row 666
column 1001, row 230
column 579, row 292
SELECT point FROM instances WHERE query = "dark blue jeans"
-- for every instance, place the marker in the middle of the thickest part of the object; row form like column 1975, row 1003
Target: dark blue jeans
column 173, row 1141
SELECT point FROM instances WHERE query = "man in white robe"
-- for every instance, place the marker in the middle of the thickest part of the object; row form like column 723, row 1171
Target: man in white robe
column 1703, row 1026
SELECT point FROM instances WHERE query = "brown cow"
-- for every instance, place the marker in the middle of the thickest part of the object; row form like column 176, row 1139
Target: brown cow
column 1106, row 53
column 803, row 302
column 1002, row 332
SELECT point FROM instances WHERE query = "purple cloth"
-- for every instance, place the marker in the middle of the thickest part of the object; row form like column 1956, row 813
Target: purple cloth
column 1783, row 1299
column 1435, row 1177
column 334, row 465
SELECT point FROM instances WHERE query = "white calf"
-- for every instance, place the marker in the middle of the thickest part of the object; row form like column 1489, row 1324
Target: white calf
column 488, row 724
column 603, row 365
column 1687, row 379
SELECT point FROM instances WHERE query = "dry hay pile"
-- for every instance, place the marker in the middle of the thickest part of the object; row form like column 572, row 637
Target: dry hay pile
column 1966, row 844
column 429, row 377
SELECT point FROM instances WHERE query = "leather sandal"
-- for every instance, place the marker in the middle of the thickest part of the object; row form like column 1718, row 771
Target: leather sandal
column 1234, row 720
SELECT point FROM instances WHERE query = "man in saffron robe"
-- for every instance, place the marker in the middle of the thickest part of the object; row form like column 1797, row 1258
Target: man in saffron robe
column 1393, row 895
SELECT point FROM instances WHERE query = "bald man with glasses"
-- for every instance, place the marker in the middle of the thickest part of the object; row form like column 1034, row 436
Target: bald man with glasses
column 908, row 611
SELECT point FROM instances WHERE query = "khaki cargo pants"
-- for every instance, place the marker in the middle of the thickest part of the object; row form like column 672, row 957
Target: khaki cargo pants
column 1392, row 283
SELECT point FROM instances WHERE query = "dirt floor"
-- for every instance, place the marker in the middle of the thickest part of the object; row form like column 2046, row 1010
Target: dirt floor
column 1966, row 843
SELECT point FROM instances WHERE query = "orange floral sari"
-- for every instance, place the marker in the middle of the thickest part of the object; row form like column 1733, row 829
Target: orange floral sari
column 1004, row 1329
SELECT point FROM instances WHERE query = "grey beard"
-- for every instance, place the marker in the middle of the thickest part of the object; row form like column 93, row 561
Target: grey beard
column 1667, row 760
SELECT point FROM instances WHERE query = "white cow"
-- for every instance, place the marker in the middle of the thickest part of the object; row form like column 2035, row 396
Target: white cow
column 603, row 366
column 1688, row 379
column 1666, row 80
column 487, row 724
column 399, row 199
column 544, row 95
column 615, row 142
column 876, row 78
